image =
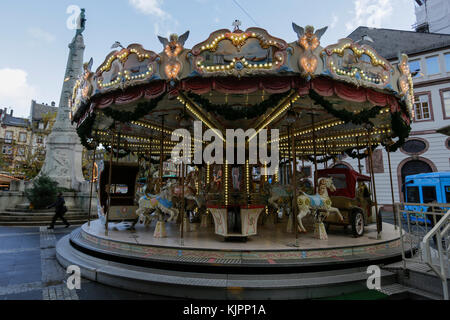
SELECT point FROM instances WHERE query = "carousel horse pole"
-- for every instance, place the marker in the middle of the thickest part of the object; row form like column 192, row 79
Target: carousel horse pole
column 160, row 230
column 92, row 184
column 111, row 154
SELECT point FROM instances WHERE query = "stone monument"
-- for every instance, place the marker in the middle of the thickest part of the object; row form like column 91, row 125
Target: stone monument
column 63, row 161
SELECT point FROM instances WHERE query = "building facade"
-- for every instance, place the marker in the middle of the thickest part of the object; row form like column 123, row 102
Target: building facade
column 42, row 117
column 426, row 150
column 15, row 138
column 433, row 16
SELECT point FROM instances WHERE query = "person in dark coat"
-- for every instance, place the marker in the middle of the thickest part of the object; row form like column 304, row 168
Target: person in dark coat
column 60, row 210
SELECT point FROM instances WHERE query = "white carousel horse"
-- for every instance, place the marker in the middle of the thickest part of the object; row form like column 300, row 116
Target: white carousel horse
column 149, row 203
column 318, row 202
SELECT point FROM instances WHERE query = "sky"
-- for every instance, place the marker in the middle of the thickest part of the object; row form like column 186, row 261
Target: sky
column 34, row 35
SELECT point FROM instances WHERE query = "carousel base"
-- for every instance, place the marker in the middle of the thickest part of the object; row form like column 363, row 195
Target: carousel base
column 267, row 266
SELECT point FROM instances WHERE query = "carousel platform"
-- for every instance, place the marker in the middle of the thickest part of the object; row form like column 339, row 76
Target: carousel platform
column 267, row 266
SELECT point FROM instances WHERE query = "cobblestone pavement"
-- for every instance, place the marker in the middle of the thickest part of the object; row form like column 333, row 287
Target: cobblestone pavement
column 29, row 269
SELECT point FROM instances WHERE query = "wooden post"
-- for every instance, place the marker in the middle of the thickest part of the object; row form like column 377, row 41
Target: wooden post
column 392, row 185
column 92, row 184
column 378, row 217
column 359, row 160
column 111, row 155
column 315, row 152
column 294, row 186
column 183, row 214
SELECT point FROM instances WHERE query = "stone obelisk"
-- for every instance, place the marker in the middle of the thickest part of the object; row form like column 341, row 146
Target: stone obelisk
column 63, row 161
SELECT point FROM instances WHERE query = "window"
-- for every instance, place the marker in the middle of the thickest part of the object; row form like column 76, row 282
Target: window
column 21, row 151
column 429, row 194
column 7, row 150
column 23, row 137
column 446, row 103
column 415, row 66
column 433, row 65
column 414, row 146
column 339, row 180
column 412, row 195
column 447, row 194
column 447, row 61
column 8, row 136
column 307, row 171
column 39, row 139
column 41, row 125
column 119, row 189
column 422, row 108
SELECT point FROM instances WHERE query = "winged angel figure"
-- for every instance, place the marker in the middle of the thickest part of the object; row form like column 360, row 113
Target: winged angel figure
column 310, row 41
column 172, row 49
column 87, row 77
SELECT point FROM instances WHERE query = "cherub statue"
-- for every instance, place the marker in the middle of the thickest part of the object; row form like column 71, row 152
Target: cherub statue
column 310, row 41
column 87, row 78
column 172, row 49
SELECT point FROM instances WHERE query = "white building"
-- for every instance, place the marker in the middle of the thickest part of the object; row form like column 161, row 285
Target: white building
column 433, row 16
column 426, row 150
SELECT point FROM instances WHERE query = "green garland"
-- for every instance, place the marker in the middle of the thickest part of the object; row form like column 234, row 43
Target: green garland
column 344, row 115
column 85, row 131
column 358, row 155
column 230, row 113
column 321, row 159
column 399, row 127
column 141, row 110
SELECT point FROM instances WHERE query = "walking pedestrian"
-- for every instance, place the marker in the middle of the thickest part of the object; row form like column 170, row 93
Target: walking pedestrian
column 60, row 210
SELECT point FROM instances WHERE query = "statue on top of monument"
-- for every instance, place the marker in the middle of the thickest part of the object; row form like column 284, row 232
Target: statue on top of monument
column 81, row 22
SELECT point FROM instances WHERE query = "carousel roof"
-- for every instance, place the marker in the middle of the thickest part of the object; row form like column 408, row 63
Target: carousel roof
column 246, row 79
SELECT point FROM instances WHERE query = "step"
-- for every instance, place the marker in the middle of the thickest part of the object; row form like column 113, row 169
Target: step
column 42, row 214
column 38, row 223
column 21, row 210
column 203, row 285
column 398, row 289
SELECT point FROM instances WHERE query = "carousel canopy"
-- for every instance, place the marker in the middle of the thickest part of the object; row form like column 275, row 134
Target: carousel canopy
column 247, row 79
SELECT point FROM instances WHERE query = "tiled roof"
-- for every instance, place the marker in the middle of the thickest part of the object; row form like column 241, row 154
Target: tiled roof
column 389, row 43
column 15, row 122
column 38, row 110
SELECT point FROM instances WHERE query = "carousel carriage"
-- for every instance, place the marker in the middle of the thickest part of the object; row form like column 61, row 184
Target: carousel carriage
column 352, row 197
column 324, row 102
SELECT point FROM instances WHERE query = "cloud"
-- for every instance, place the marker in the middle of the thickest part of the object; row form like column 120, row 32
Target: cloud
column 15, row 91
column 334, row 21
column 164, row 22
column 370, row 13
column 151, row 7
column 41, row 35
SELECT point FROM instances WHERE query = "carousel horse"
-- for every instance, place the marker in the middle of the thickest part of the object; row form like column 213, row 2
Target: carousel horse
column 320, row 203
column 161, row 203
column 280, row 196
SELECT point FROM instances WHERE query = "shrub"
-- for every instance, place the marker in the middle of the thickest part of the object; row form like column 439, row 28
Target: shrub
column 43, row 193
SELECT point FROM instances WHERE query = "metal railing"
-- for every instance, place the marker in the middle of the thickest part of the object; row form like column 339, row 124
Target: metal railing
column 418, row 228
column 439, row 233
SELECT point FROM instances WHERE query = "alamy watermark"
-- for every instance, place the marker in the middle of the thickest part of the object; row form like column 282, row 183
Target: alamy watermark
column 236, row 140
column 74, row 280
column 73, row 22
column 374, row 280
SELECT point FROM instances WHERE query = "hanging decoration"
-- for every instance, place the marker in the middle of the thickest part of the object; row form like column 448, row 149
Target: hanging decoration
column 230, row 113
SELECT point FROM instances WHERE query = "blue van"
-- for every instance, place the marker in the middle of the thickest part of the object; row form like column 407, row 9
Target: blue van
column 426, row 188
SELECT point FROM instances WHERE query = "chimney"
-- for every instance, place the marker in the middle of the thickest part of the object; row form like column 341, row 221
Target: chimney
column 11, row 113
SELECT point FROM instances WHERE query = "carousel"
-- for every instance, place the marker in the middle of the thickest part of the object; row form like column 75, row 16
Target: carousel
column 171, row 192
